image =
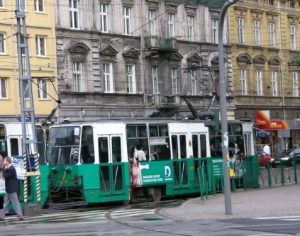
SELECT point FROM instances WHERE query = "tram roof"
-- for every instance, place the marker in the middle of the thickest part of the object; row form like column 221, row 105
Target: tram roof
column 135, row 121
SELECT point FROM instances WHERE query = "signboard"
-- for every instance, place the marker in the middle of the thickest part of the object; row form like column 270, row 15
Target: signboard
column 2, row 185
column 217, row 167
column 156, row 173
column 261, row 134
column 19, row 165
column 263, row 121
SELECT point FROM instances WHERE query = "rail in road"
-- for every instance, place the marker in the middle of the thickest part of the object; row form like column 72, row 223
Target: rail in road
column 146, row 211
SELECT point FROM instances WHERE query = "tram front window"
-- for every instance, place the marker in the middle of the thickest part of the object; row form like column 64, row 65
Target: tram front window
column 64, row 145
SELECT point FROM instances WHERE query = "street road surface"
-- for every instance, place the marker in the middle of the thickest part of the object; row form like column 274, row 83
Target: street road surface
column 143, row 219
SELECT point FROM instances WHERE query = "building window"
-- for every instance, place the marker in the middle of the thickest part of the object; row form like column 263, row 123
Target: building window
column 77, row 76
column 127, row 20
column 2, row 43
column 272, row 35
column 43, row 89
column 271, row 2
column 293, row 36
column 190, row 28
column 152, row 22
column 3, row 88
column 104, row 17
column 243, row 82
column 108, row 78
column 74, row 14
column 40, row 45
column 259, row 83
column 295, row 84
column 291, row 4
column 155, row 82
column 174, row 80
column 171, row 25
column 1, row 4
column 274, row 91
column 256, row 32
column 131, row 79
column 241, row 30
column 39, row 5
column 214, row 30
column 193, row 81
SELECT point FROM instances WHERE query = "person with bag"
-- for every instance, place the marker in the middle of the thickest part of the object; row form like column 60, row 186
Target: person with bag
column 11, row 189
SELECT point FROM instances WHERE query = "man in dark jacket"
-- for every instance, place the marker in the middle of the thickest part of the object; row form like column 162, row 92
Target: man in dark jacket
column 11, row 189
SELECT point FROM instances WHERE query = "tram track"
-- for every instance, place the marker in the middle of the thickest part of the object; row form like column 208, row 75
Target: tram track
column 156, row 211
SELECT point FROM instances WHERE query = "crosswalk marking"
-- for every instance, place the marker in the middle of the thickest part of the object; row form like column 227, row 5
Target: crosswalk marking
column 82, row 216
column 130, row 213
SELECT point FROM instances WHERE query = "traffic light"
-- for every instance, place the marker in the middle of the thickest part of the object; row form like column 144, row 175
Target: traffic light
column 212, row 119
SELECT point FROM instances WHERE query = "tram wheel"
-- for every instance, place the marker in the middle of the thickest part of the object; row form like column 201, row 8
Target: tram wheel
column 155, row 194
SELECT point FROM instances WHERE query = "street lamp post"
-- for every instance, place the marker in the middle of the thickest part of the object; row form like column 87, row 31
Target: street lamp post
column 223, row 108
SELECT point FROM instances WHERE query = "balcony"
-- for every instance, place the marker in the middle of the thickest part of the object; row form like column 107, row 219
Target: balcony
column 160, row 44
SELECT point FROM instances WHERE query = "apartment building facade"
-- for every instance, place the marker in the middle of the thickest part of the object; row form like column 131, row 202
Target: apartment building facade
column 136, row 58
column 265, row 43
column 41, row 43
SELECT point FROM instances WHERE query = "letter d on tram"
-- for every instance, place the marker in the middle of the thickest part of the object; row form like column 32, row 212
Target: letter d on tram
column 167, row 172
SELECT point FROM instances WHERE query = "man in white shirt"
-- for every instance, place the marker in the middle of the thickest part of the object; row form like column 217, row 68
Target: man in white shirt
column 267, row 150
column 140, row 154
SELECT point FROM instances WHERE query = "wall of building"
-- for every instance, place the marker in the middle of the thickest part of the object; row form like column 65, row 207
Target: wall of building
column 267, row 58
column 140, row 49
column 43, row 66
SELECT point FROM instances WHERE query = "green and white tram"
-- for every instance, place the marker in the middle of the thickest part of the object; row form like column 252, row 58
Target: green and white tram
column 89, row 162
column 11, row 145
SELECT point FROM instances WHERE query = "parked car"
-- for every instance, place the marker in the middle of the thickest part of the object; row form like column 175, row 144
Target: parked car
column 288, row 159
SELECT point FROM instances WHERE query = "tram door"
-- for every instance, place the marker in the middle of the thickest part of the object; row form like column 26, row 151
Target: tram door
column 199, row 146
column 179, row 154
column 111, row 168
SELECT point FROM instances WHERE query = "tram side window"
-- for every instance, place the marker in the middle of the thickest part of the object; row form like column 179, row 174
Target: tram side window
column 103, row 149
column 116, row 149
column 195, row 146
column 182, row 140
column 174, row 146
column 203, row 145
column 3, row 146
column 41, row 142
column 87, row 148
column 137, row 139
column 159, row 142
column 14, row 145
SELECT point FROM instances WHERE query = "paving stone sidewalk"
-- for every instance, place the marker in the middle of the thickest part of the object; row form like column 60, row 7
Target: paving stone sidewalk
column 265, row 202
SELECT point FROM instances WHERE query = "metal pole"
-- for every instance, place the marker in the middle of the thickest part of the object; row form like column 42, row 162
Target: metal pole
column 223, row 108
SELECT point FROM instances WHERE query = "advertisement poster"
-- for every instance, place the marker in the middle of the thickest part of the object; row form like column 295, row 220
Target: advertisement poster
column 19, row 165
column 2, row 185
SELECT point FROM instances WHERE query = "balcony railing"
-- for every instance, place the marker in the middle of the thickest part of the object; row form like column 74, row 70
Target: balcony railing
column 158, row 43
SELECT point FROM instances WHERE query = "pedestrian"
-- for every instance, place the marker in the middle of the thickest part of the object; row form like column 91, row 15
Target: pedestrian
column 140, row 153
column 11, row 189
column 267, row 150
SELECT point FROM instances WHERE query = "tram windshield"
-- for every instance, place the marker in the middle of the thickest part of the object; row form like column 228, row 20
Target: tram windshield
column 64, row 145
column 235, row 138
column 41, row 142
